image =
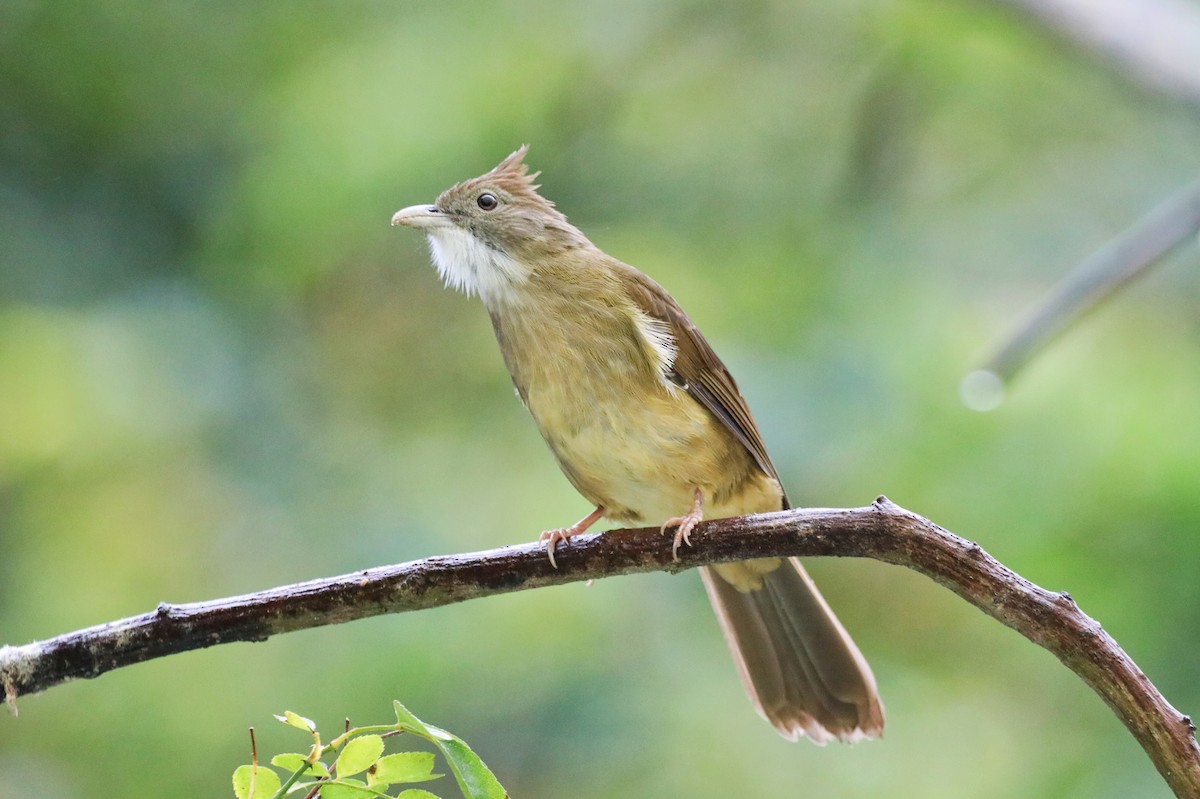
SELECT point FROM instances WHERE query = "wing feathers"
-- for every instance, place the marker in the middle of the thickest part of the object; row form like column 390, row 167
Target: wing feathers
column 698, row 370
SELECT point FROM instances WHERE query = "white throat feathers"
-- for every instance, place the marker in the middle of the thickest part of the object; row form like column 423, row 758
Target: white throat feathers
column 467, row 264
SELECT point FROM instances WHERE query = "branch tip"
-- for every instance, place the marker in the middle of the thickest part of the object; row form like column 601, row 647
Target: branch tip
column 885, row 505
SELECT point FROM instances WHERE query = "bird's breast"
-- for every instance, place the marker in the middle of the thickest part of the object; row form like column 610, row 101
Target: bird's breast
column 626, row 437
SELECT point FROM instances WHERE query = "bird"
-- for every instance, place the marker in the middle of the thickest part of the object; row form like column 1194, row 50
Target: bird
column 647, row 423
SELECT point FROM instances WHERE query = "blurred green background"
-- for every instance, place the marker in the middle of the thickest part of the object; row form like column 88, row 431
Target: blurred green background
column 221, row 370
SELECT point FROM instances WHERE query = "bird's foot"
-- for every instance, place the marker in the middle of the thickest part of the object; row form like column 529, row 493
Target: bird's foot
column 686, row 524
column 551, row 537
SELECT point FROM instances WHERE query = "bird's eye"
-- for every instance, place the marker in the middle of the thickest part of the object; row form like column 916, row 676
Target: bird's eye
column 488, row 202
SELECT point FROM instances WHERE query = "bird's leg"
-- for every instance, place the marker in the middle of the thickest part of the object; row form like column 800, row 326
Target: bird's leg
column 686, row 523
column 552, row 537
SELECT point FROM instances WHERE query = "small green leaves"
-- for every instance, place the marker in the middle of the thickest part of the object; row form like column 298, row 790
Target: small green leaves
column 298, row 721
column 349, row 789
column 358, row 754
column 405, row 718
column 293, row 762
column 360, row 751
column 255, row 782
column 402, row 767
column 474, row 778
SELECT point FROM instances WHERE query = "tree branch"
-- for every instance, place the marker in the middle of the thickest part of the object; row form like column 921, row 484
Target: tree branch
column 1125, row 258
column 882, row 531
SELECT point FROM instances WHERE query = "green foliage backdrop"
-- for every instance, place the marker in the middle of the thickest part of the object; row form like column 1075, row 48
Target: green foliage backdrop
column 220, row 370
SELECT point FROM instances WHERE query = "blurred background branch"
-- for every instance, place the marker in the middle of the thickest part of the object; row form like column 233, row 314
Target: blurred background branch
column 1154, row 42
column 883, row 531
column 1172, row 223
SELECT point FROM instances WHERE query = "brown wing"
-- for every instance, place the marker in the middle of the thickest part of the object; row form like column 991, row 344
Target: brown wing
column 699, row 371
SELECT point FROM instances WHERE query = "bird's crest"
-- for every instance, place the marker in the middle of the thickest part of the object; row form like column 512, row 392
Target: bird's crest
column 511, row 175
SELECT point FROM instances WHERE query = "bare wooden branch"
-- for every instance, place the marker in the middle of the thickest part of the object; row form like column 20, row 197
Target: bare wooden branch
column 882, row 531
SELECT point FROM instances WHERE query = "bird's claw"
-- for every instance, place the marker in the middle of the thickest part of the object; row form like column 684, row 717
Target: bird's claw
column 551, row 538
column 683, row 534
column 686, row 524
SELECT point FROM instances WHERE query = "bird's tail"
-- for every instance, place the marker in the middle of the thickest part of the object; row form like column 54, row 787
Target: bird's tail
column 799, row 666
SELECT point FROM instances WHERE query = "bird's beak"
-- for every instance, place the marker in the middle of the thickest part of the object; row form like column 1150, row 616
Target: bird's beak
column 421, row 217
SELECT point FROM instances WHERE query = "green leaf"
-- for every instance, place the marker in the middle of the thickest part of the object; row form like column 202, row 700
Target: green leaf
column 298, row 721
column 474, row 778
column 405, row 716
column 402, row 767
column 348, row 789
column 358, row 754
column 265, row 782
column 291, row 761
column 416, row 793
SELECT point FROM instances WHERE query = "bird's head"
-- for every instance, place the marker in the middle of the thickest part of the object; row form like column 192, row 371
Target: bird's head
column 489, row 234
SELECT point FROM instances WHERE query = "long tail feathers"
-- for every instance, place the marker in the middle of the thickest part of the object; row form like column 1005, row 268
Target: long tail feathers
column 798, row 664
